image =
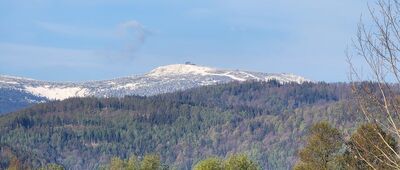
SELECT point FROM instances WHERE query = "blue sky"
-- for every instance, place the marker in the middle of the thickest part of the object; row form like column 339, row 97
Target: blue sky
column 75, row 40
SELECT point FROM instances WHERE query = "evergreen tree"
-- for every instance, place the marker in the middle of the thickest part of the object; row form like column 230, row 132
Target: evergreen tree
column 116, row 164
column 150, row 162
column 322, row 149
column 209, row 164
column 132, row 163
column 239, row 161
column 264, row 118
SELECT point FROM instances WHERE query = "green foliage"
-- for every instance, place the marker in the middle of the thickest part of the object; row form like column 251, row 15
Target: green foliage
column 117, row 164
column 233, row 162
column 149, row 162
column 322, row 149
column 133, row 163
column 209, row 164
column 239, row 161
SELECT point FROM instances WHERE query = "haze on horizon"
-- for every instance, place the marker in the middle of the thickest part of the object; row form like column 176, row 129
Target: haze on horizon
column 71, row 40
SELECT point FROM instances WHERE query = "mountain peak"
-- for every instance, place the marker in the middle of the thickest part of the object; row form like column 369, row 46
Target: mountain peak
column 162, row 79
column 179, row 69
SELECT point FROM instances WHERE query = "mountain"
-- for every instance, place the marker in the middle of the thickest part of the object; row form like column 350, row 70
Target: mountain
column 266, row 120
column 163, row 79
column 12, row 99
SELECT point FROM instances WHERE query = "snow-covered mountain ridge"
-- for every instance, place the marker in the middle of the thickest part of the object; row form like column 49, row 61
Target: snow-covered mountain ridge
column 163, row 79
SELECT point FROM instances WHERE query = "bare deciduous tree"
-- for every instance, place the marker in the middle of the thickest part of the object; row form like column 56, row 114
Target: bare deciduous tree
column 378, row 43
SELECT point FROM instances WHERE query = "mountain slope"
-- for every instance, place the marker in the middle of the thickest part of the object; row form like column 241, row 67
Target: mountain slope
column 266, row 120
column 13, row 100
column 160, row 80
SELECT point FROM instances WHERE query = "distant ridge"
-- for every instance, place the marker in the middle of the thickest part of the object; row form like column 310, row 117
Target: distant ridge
column 160, row 80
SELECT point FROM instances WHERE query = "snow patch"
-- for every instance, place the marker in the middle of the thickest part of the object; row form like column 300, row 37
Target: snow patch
column 232, row 76
column 111, row 83
column 287, row 78
column 130, row 86
column 8, row 82
column 179, row 69
column 250, row 75
column 57, row 93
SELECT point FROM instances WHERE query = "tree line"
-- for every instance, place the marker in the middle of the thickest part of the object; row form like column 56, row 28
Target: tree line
column 152, row 162
column 265, row 120
column 369, row 147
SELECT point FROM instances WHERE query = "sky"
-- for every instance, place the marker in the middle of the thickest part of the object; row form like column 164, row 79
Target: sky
column 75, row 40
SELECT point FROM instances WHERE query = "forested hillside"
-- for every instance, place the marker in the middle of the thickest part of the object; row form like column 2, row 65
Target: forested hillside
column 267, row 121
column 13, row 100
